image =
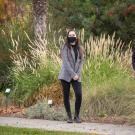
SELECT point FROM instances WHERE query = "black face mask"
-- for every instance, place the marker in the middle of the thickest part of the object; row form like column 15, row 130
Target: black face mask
column 71, row 39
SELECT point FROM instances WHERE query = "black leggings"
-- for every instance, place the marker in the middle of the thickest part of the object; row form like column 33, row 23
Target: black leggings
column 78, row 94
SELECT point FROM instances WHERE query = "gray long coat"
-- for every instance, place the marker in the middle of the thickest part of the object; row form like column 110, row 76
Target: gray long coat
column 69, row 67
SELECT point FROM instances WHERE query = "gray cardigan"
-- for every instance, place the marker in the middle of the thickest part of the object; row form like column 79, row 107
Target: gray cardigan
column 69, row 67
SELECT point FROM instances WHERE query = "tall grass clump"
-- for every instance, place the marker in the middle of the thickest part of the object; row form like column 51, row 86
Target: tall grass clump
column 32, row 70
column 16, row 25
column 105, row 58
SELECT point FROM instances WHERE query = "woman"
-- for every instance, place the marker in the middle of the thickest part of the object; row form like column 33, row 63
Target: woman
column 72, row 56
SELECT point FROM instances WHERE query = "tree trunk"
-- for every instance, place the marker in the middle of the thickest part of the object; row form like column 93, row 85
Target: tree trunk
column 40, row 13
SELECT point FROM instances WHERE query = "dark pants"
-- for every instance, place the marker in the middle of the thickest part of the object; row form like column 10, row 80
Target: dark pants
column 78, row 94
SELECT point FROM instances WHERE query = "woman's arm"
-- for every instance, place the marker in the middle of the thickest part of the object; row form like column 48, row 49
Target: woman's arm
column 66, row 62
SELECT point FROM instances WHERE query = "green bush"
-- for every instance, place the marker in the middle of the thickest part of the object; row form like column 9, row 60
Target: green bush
column 42, row 110
column 95, row 16
column 27, row 83
column 114, row 97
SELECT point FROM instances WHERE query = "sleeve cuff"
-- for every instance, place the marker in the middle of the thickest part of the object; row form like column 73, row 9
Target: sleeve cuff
column 73, row 74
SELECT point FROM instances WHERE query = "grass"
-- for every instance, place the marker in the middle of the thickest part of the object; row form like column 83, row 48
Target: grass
column 23, row 131
column 115, row 97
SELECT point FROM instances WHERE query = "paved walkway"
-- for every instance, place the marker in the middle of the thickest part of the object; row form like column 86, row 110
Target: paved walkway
column 108, row 129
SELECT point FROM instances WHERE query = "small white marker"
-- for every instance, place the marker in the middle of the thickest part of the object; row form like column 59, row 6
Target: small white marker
column 50, row 102
column 7, row 90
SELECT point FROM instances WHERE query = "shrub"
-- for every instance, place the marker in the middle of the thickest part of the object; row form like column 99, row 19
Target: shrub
column 42, row 110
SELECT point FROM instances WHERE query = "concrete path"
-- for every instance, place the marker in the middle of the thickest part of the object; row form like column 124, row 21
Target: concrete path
column 108, row 129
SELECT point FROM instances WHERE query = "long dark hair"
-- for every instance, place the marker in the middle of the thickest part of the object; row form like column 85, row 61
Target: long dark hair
column 77, row 45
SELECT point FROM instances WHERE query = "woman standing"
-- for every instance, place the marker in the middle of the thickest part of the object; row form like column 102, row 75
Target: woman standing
column 72, row 56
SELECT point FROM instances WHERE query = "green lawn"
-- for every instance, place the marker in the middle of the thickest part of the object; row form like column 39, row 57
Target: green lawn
column 24, row 131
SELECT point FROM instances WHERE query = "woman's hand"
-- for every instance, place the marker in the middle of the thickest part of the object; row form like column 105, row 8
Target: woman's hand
column 76, row 77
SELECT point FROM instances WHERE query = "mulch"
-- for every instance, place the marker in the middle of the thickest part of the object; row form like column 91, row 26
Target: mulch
column 10, row 110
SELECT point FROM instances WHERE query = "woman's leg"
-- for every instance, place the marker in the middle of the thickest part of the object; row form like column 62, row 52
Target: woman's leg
column 77, row 86
column 66, row 92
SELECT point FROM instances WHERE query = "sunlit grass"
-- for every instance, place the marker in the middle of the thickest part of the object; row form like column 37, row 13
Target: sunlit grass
column 23, row 131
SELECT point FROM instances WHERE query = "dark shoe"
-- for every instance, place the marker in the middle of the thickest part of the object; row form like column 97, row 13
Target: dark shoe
column 69, row 119
column 77, row 119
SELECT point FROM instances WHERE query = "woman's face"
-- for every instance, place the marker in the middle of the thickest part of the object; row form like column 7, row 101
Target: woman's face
column 72, row 34
column 72, row 38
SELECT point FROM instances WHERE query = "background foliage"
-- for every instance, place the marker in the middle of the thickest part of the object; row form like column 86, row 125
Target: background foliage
column 96, row 16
